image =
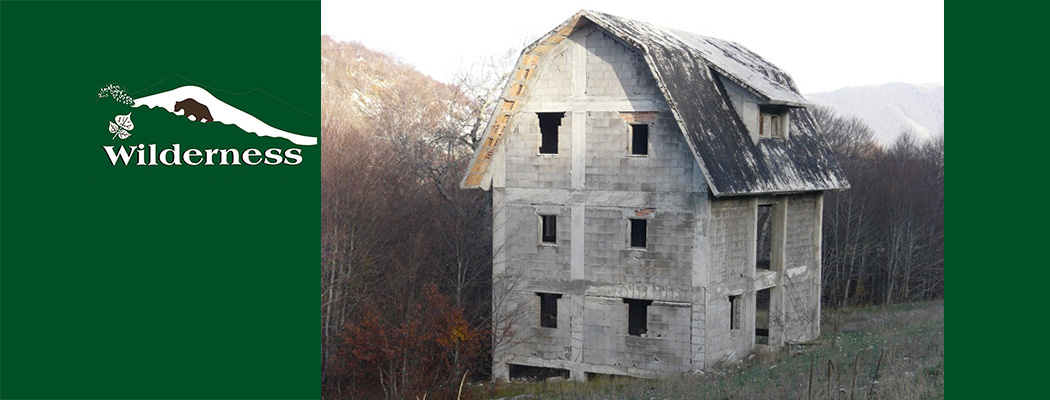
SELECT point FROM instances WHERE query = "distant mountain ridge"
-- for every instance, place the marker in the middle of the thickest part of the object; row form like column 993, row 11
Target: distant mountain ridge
column 891, row 108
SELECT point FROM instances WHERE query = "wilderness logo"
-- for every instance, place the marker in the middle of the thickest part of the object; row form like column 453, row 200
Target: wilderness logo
column 199, row 105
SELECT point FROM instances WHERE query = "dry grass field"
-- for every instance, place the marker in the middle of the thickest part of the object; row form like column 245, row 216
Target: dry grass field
column 894, row 352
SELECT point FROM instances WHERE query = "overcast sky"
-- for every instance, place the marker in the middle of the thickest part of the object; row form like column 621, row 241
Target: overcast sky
column 824, row 45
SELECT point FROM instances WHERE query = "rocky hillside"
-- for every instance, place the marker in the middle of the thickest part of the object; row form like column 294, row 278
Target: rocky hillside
column 357, row 82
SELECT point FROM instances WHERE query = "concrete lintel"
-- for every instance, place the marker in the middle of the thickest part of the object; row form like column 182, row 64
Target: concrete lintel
column 587, row 104
column 680, row 304
column 680, row 201
column 642, row 291
column 765, row 279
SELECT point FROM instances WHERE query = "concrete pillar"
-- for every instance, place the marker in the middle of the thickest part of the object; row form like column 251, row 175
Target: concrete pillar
column 579, row 66
column 500, row 372
column 576, row 339
column 579, row 149
column 818, row 226
column 577, row 241
column 499, row 267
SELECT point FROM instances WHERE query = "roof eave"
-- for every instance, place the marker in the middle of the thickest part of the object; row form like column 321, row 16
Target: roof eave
column 843, row 186
column 479, row 175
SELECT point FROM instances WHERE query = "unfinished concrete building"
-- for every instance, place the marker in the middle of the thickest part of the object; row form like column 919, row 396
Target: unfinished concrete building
column 657, row 203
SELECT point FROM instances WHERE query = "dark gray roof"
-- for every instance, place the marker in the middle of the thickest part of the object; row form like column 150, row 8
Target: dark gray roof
column 684, row 65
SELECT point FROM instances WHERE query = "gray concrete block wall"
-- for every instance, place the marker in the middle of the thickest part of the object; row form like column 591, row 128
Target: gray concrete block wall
column 666, row 260
column 536, row 341
column 744, row 103
column 661, row 272
column 605, row 323
column 794, row 296
column 725, row 344
column 729, row 239
column 800, row 228
column 717, row 336
column 526, row 167
column 669, row 167
column 555, row 76
column 799, row 310
column 615, row 70
column 538, row 261
column 553, row 343
column 522, row 323
column 801, row 291
column 665, row 348
column 698, row 329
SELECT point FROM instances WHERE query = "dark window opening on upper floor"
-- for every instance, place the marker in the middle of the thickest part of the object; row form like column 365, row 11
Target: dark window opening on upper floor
column 764, row 237
column 548, row 228
column 549, row 123
column 638, row 232
column 639, row 139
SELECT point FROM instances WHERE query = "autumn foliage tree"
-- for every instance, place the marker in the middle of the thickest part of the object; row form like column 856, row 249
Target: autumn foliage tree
column 413, row 356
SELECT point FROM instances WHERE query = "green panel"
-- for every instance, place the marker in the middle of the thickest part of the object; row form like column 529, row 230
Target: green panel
column 156, row 281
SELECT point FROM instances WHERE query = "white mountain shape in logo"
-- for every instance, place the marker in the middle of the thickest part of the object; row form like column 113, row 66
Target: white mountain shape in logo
column 220, row 112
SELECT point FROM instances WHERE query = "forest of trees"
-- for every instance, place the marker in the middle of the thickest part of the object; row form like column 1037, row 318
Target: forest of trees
column 406, row 256
column 884, row 237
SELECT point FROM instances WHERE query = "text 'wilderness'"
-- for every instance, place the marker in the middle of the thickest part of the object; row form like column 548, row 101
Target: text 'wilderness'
column 148, row 155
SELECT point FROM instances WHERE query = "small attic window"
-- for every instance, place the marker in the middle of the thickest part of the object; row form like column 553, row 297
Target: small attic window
column 769, row 125
column 772, row 122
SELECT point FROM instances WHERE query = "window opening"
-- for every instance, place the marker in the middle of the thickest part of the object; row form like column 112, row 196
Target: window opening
column 549, row 123
column 638, row 232
column 637, row 312
column 549, row 309
column 549, row 228
column 639, row 139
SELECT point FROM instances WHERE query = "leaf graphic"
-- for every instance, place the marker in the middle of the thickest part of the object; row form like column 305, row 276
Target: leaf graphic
column 113, row 128
column 125, row 121
column 123, row 134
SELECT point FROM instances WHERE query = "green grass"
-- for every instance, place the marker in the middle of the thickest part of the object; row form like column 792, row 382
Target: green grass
column 844, row 364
